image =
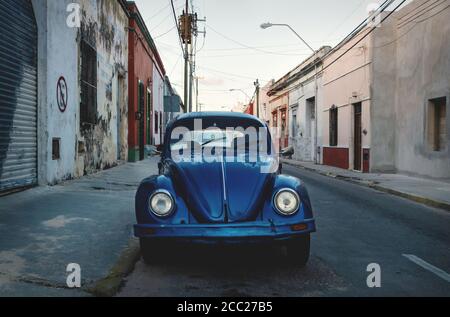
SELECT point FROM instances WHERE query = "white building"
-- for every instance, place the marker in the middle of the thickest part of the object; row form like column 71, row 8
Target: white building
column 301, row 88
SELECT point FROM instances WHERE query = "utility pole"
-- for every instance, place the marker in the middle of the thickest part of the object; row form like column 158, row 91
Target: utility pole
column 186, row 36
column 257, row 97
column 196, row 94
column 188, row 29
column 191, row 77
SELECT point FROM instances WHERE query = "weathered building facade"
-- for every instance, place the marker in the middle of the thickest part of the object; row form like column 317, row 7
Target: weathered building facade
column 145, row 94
column 75, row 54
column 411, row 91
column 302, row 84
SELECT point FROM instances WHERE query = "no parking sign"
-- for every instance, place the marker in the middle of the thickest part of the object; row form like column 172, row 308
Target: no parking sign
column 61, row 94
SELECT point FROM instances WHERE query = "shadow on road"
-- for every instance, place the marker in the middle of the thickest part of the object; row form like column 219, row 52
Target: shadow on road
column 230, row 271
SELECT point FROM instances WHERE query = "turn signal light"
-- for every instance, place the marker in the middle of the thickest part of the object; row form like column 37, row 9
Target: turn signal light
column 149, row 231
column 299, row 227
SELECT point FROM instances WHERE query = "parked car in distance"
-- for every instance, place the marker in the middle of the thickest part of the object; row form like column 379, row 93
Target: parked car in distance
column 219, row 183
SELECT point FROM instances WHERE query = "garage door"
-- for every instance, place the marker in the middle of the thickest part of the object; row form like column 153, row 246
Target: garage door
column 18, row 95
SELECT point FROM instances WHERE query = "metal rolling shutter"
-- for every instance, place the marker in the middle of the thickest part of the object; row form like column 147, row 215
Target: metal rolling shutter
column 18, row 94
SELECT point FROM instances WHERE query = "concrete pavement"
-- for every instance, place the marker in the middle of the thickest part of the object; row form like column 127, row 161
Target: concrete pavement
column 86, row 221
column 435, row 193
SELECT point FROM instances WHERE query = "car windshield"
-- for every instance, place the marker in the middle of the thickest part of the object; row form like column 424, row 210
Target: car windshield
column 232, row 137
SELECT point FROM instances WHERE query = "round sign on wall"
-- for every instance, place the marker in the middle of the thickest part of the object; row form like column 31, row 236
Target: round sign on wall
column 61, row 94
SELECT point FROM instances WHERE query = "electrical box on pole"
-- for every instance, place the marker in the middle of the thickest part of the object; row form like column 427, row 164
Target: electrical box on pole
column 186, row 27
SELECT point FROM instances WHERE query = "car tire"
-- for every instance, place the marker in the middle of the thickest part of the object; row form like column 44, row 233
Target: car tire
column 298, row 250
column 152, row 252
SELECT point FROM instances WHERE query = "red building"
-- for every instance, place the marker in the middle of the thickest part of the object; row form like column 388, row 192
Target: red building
column 142, row 59
column 249, row 109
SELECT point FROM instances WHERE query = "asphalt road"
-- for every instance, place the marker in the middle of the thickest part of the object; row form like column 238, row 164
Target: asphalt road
column 357, row 226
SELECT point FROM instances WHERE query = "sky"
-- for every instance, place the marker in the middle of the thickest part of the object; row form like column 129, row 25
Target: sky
column 236, row 51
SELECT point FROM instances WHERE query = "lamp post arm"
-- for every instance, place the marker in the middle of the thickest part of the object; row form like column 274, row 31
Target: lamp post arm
column 298, row 35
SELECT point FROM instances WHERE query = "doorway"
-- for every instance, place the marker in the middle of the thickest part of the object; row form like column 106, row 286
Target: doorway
column 357, row 137
column 141, row 129
column 121, row 129
column 149, row 117
column 311, row 126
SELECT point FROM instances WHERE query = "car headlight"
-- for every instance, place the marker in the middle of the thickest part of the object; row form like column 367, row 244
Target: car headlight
column 161, row 203
column 287, row 202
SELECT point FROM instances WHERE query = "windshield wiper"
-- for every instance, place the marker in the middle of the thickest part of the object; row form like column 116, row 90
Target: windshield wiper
column 210, row 141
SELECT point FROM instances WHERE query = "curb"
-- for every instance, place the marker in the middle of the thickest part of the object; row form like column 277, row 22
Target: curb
column 358, row 181
column 111, row 284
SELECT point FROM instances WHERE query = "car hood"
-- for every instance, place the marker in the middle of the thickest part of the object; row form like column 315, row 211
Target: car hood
column 223, row 191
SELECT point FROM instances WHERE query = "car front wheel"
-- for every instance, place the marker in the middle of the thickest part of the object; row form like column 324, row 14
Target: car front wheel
column 298, row 250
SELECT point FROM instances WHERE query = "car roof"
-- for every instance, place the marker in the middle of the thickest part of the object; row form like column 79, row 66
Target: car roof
column 223, row 114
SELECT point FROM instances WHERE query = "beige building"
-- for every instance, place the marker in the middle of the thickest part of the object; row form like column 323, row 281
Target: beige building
column 346, row 105
column 385, row 102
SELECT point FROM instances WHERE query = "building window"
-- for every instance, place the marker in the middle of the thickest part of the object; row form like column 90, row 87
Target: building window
column 294, row 123
column 56, row 152
column 156, row 122
column 275, row 119
column 437, row 124
column 333, row 127
column 88, row 83
column 283, row 122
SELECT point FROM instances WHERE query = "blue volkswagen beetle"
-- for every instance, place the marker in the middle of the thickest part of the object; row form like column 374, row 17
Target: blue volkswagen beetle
column 219, row 182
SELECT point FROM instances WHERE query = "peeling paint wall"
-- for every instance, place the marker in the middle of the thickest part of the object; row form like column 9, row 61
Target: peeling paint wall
column 83, row 149
column 105, row 22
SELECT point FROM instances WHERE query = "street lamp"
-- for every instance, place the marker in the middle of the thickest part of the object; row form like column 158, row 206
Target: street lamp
column 249, row 98
column 269, row 25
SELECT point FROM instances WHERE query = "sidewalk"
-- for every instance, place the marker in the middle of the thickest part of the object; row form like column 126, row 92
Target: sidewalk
column 86, row 221
column 426, row 191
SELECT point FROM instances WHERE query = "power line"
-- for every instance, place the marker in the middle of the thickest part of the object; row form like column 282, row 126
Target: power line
column 421, row 13
column 167, row 32
column 161, row 10
column 346, row 18
column 178, row 28
column 366, row 35
column 411, row 28
column 347, row 38
column 227, row 73
column 242, row 44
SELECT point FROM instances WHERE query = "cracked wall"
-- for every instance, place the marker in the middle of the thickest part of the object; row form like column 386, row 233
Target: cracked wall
column 84, row 149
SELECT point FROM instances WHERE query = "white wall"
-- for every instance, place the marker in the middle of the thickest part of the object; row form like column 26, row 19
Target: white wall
column 158, row 101
column 58, row 55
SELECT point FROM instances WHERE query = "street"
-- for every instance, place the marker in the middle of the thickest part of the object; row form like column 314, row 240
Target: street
column 357, row 226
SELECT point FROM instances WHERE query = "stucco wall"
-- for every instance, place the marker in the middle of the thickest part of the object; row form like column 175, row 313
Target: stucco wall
column 423, row 72
column 158, row 101
column 303, row 142
column 346, row 82
column 383, row 90
column 58, row 51
column 140, row 69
